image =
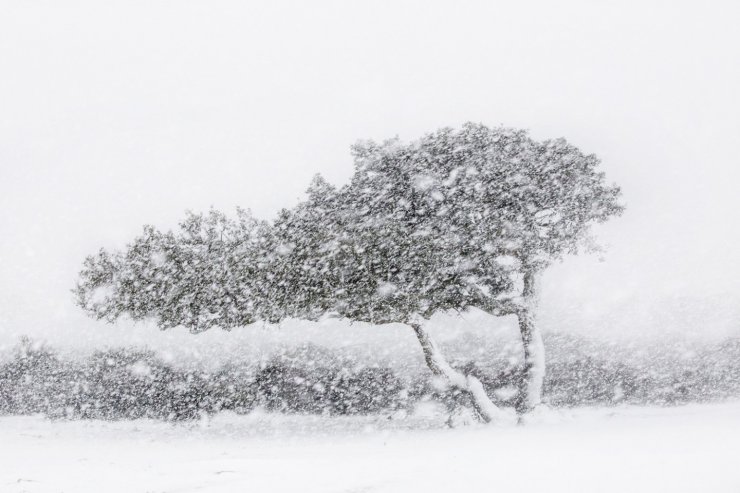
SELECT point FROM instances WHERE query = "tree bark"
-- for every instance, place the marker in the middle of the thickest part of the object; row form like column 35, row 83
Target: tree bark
column 530, row 387
column 484, row 407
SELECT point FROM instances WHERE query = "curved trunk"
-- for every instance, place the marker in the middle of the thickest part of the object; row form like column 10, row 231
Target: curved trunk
column 530, row 387
column 486, row 409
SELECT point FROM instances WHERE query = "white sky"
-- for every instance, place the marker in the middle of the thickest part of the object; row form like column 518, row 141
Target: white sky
column 116, row 114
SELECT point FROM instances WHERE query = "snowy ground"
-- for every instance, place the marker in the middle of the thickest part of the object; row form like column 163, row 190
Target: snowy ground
column 693, row 449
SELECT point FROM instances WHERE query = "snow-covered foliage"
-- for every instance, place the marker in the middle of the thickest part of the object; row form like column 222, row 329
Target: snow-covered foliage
column 445, row 222
column 458, row 219
column 129, row 383
column 201, row 277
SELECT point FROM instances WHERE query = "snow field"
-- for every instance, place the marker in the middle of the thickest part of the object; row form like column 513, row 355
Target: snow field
column 686, row 449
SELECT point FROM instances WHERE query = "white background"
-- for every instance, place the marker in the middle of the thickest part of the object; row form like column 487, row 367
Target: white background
column 117, row 114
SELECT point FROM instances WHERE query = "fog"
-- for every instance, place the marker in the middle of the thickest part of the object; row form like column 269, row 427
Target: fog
column 117, row 115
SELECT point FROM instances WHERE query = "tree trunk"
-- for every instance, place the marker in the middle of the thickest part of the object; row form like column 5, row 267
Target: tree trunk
column 484, row 407
column 530, row 387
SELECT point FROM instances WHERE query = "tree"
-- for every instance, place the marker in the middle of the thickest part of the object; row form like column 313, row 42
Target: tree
column 458, row 219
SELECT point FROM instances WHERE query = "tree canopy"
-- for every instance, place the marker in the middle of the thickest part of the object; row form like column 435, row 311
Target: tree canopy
column 443, row 223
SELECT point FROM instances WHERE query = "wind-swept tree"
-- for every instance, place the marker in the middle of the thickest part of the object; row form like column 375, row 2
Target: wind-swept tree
column 458, row 219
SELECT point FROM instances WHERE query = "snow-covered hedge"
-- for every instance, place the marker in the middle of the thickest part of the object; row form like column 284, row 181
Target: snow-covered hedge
column 135, row 383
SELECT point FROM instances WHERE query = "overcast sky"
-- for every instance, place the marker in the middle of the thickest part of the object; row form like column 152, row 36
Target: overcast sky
column 117, row 114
